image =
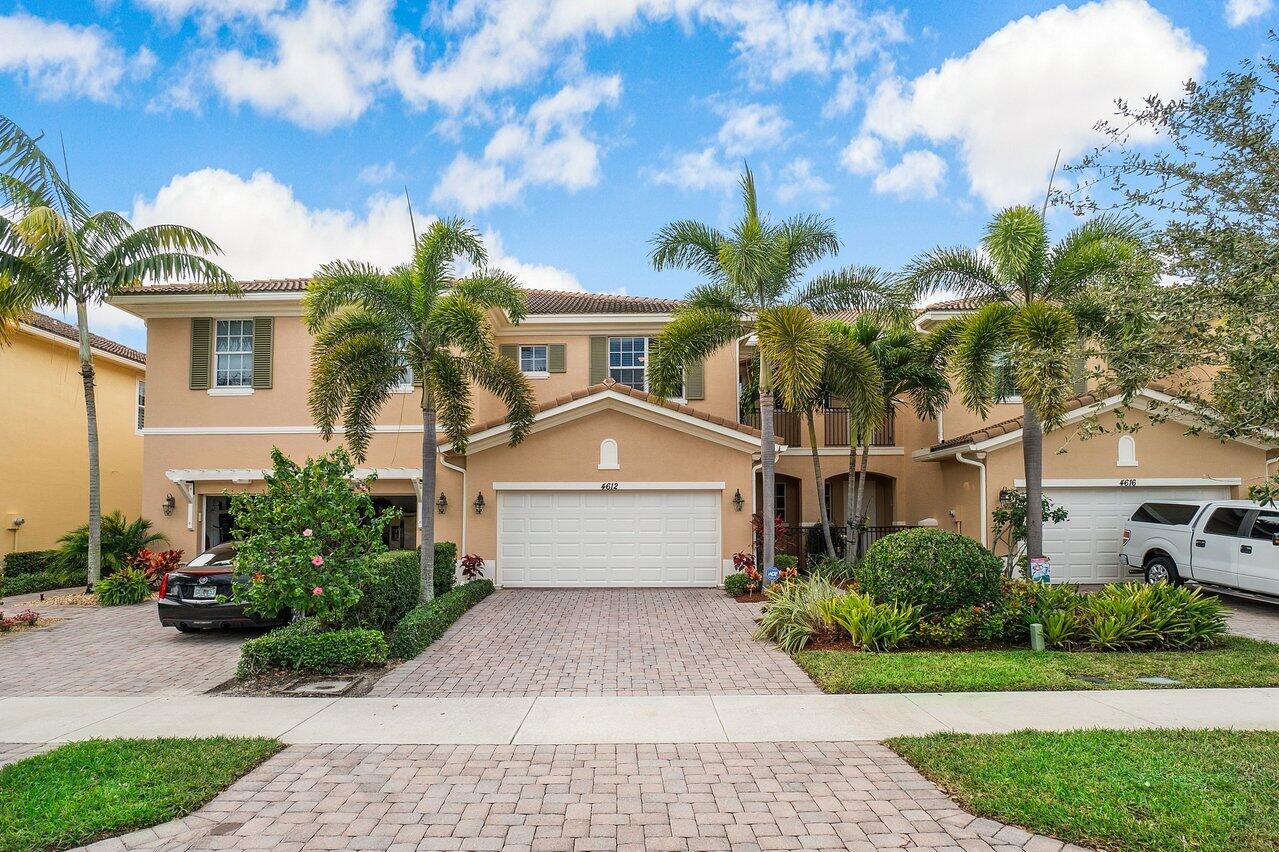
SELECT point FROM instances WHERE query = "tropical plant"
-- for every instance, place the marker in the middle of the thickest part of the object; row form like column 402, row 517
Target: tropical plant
column 472, row 567
column 1008, row 526
column 750, row 271
column 871, row 626
column 308, row 541
column 794, row 613
column 936, row 570
column 912, row 368
column 736, row 584
column 374, row 329
column 155, row 565
column 125, row 587
column 53, row 250
column 121, row 541
column 1038, row 306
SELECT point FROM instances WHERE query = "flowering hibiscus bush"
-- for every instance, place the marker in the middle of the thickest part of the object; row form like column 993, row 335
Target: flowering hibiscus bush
column 307, row 543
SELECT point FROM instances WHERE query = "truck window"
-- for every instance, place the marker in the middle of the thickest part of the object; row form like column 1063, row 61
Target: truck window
column 1266, row 526
column 1164, row 513
column 1226, row 521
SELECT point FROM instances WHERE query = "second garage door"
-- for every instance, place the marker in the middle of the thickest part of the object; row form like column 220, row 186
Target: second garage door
column 609, row 538
column 1085, row 548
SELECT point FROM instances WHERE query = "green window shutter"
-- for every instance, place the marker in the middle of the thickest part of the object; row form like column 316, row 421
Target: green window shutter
column 263, row 346
column 556, row 358
column 201, row 344
column 599, row 360
column 510, row 351
column 695, row 381
column 1080, row 376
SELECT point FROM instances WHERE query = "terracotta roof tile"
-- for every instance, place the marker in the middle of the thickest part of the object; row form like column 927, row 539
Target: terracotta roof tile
column 65, row 330
column 625, row 390
column 1012, row 424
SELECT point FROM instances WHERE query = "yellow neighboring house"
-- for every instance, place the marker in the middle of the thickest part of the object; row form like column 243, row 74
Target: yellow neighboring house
column 44, row 479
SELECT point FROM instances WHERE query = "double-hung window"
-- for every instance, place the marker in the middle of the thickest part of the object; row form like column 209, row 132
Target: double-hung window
column 233, row 354
column 628, row 362
column 533, row 358
column 142, row 403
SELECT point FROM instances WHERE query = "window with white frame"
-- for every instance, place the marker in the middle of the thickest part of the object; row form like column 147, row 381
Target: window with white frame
column 142, row 403
column 233, row 354
column 628, row 362
column 404, row 384
column 533, row 358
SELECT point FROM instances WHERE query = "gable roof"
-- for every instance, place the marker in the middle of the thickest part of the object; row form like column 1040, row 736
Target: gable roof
column 1012, row 424
column 539, row 301
column 58, row 328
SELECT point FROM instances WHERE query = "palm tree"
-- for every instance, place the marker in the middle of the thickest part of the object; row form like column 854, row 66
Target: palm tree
column 371, row 327
column 811, row 363
column 53, row 250
column 1036, row 314
column 912, row 366
column 121, row 540
column 756, row 266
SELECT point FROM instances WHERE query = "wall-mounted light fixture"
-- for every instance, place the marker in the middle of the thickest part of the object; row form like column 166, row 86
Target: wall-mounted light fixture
column 442, row 504
column 738, row 502
column 479, row 503
column 169, row 505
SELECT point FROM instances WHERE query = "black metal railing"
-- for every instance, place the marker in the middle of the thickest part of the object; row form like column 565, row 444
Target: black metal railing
column 789, row 428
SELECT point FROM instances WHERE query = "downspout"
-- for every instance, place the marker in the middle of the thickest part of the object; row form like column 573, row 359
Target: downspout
column 462, row 505
column 980, row 464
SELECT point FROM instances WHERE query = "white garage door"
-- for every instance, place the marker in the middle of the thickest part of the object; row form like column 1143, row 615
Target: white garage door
column 608, row 538
column 1085, row 548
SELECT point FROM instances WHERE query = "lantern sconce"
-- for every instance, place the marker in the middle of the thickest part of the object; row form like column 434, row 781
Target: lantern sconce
column 738, row 502
column 442, row 504
column 169, row 505
column 479, row 503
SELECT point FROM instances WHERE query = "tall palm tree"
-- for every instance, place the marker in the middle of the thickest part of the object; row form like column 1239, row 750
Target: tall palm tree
column 371, row 327
column 1036, row 314
column 912, row 366
column 756, row 266
column 811, row 363
column 54, row 250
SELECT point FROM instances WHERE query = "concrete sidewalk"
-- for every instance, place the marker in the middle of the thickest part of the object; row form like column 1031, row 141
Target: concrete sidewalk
column 655, row 719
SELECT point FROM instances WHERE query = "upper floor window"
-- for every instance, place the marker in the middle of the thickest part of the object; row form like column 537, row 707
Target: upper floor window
column 142, row 403
column 628, row 362
column 1005, row 387
column 233, row 354
column 533, row 358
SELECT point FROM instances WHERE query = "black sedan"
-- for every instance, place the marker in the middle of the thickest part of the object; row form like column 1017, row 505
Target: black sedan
column 189, row 599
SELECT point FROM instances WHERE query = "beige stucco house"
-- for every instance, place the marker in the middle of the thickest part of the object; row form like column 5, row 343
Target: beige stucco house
column 614, row 487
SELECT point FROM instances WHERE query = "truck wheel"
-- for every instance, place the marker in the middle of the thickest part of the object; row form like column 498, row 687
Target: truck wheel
column 1162, row 569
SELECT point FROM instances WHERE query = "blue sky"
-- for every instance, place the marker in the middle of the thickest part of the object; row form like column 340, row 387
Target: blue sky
column 570, row 130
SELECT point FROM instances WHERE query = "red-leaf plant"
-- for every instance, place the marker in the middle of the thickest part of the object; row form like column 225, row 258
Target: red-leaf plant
column 25, row 618
column 156, row 565
column 472, row 567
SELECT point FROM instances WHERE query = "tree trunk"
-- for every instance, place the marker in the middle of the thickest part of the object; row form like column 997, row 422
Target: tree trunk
column 850, row 496
column 864, row 450
column 95, row 476
column 427, row 542
column 1032, row 444
column 821, row 484
column 767, row 461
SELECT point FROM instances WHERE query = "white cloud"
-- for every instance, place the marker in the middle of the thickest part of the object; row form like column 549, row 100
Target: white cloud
column 918, row 175
column 696, row 170
column 863, row 156
column 1240, row 12
column 378, row 172
column 798, row 181
column 105, row 320
column 329, row 60
column 1037, row 85
column 751, row 127
column 548, row 147
column 175, row 10
column 59, row 60
column 236, row 213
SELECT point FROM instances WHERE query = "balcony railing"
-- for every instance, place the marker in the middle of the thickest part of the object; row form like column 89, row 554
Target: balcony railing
column 790, row 428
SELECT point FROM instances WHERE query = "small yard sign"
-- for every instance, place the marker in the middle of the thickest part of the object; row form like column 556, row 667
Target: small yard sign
column 1041, row 570
column 772, row 574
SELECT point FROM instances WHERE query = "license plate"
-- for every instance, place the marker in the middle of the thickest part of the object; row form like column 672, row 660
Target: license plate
column 202, row 593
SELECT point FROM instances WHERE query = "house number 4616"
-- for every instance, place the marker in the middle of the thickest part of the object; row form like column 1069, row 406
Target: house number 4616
column 608, row 486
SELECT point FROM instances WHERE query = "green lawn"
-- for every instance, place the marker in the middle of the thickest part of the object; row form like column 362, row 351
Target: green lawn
column 101, row 788
column 1237, row 662
column 1116, row 790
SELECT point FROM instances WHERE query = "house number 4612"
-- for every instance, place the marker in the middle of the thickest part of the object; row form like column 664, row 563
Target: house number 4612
column 608, row 486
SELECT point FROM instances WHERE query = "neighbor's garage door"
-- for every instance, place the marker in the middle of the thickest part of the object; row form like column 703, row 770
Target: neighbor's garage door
column 608, row 538
column 1085, row 548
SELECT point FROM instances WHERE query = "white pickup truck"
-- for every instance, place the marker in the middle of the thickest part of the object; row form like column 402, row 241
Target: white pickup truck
column 1230, row 546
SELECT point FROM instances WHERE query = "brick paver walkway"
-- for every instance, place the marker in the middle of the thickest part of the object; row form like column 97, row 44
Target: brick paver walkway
column 625, row 797
column 1256, row 620
column 600, row 642
column 114, row 651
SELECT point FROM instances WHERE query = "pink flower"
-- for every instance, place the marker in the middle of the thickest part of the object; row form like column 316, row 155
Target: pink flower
column 318, row 590
column 317, row 561
column 307, row 532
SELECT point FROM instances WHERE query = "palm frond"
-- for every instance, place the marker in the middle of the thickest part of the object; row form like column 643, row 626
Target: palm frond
column 802, row 241
column 853, row 374
column 357, row 353
column 854, row 288
column 692, row 335
column 980, row 337
column 961, row 271
column 493, row 288
column 687, row 244
column 1016, row 241
column 22, row 159
column 794, row 343
column 348, row 282
column 1095, row 248
column 437, row 249
column 450, row 392
column 1044, row 353
column 502, row 378
column 457, row 321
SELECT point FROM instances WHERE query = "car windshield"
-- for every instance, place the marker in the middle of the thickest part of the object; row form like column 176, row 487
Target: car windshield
column 222, row 554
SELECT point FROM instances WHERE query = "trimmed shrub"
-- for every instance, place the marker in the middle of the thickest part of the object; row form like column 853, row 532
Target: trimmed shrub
column 737, row 584
column 41, row 581
column 22, row 562
column 394, row 587
column 123, row 588
column 934, row 570
column 305, row 646
column 427, row 622
column 445, row 572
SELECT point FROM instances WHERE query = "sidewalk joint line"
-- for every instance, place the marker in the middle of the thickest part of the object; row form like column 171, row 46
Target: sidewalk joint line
column 142, row 703
column 523, row 720
column 718, row 718
column 302, row 722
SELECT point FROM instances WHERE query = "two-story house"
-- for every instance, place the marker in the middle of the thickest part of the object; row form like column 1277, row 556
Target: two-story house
column 614, row 487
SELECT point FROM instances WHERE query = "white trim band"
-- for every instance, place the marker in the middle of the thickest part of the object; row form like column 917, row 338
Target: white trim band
column 1136, row 482
column 608, row 486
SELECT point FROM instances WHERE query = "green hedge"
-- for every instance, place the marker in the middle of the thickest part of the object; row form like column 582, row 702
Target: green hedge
column 426, row 623
column 305, row 646
column 445, row 575
column 938, row 571
column 54, row 577
column 22, row 562
column 737, row 584
column 395, row 589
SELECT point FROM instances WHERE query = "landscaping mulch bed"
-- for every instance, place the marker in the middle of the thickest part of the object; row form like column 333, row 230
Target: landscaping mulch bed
column 757, row 597
column 284, row 683
column 23, row 628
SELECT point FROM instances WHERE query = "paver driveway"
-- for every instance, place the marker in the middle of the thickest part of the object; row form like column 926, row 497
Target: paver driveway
column 1249, row 618
column 521, row 642
column 113, row 651
column 858, row 796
